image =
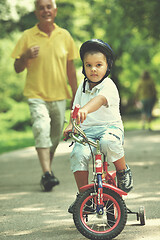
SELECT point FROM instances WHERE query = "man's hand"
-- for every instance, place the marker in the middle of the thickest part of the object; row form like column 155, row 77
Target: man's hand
column 32, row 52
column 21, row 63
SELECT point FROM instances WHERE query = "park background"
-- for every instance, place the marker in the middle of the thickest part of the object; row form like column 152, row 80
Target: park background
column 131, row 28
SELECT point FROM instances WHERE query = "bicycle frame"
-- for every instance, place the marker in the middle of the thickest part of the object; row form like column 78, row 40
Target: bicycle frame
column 102, row 177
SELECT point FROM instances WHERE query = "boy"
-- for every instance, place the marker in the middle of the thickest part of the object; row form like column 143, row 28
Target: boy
column 99, row 115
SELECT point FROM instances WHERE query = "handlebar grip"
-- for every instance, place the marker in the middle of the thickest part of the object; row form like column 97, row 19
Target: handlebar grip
column 75, row 111
column 69, row 135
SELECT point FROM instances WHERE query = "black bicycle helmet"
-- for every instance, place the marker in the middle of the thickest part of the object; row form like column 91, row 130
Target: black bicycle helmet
column 97, row 45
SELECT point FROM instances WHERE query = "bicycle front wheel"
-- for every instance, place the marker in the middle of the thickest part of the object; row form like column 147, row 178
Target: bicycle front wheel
column 96, row 227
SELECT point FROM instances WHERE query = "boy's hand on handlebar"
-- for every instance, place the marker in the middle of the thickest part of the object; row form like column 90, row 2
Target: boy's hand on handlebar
column 82, row 114
column 67, row 130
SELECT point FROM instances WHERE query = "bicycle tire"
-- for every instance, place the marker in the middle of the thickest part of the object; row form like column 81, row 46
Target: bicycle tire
column 100, row 230
column 142, row 215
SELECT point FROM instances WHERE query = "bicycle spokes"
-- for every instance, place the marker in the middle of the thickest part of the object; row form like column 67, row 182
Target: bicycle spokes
column 93, row 225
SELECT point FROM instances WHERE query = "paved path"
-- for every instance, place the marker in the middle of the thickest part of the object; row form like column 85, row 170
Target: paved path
column 27, row 213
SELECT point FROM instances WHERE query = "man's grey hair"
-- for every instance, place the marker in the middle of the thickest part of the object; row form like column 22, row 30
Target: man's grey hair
column 53, row 1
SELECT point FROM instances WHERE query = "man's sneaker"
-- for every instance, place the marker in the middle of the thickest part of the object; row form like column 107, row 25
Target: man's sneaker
column 55, row 181
column 124, row 179
column 89, row 206
column 48, row 181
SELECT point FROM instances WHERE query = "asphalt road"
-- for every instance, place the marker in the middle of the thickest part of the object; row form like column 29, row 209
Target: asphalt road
column 27, row 213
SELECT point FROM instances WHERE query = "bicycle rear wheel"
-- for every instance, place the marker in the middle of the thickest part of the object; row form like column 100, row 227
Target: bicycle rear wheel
column 104, row 227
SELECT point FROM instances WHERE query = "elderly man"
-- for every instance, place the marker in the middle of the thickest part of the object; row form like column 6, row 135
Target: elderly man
column 47, row 52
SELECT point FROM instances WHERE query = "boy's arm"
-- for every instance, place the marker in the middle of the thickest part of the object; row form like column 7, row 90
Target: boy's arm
column 92, row 106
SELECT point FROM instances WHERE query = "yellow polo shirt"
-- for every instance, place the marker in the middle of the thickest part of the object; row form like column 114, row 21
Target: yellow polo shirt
column 47, row 74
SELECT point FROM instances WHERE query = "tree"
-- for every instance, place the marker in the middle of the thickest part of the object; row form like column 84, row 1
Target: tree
column 144, row 15
column 11, row 13
column 129, row 27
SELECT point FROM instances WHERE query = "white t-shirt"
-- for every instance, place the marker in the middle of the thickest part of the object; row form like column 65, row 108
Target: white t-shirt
column 105, row 114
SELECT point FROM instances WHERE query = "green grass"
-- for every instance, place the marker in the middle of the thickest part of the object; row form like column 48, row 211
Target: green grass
column 134, row 123
column 13, row 140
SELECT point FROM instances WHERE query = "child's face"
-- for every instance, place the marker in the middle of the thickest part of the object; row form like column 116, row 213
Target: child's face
column 95, row 66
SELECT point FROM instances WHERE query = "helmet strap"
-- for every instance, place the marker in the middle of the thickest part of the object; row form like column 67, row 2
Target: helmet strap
column 84, row 84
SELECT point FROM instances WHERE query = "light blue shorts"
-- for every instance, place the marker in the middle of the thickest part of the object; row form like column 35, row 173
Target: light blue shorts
column 111, row 144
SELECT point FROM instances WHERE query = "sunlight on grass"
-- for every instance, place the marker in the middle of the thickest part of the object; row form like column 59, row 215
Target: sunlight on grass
column 132, row 125
column 12, row 140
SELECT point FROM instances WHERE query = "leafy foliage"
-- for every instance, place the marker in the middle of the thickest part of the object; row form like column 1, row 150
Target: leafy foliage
column 130, row 27
column 143, row 15
column 11, row 85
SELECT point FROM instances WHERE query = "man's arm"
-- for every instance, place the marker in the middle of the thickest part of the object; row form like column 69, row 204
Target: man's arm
column 21, row 63
column 71, row 73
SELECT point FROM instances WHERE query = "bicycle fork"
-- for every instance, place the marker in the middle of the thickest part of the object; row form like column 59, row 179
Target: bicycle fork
column 99, row 171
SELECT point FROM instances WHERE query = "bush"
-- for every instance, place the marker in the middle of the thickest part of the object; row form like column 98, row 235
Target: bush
column 11, row 84
column 17, row 118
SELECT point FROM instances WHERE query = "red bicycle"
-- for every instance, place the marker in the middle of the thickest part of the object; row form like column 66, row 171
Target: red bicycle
column 100, row 213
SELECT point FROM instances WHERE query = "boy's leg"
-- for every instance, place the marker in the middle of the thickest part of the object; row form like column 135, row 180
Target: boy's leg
column 79, row 165
column 111, row 144
column 124, row 179
column 81, row 178
column 120, row 164
column 124, row 175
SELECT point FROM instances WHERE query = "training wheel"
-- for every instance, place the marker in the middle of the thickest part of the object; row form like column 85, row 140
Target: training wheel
column 142, row 215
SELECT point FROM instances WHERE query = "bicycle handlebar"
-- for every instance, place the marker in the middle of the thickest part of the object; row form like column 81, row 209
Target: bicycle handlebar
column 75, row 111
column 72, row 134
